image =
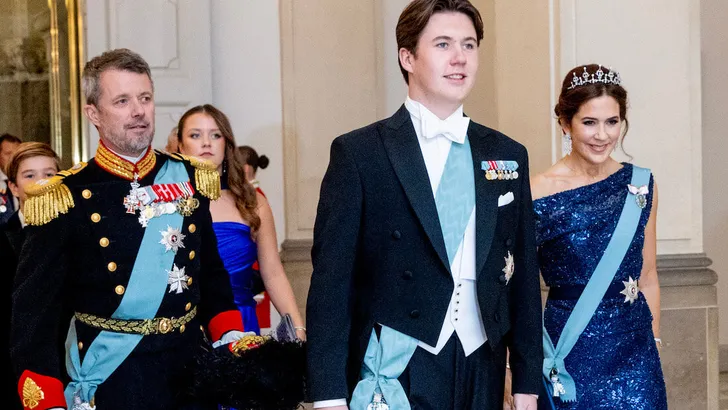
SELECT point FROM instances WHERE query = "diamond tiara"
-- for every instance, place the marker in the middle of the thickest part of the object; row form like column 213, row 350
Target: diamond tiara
column 610, row 77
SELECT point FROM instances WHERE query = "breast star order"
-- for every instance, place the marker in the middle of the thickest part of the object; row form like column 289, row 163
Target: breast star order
column 177, row 279
column 509, row 268
column 631, row 290
column 172, row 239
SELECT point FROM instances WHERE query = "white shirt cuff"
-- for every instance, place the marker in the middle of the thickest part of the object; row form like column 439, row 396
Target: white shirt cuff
column 329, row 403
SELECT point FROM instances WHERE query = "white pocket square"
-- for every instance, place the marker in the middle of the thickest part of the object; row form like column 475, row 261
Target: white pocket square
column 505, row 199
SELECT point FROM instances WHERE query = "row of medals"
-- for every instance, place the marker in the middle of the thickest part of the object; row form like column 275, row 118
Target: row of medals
column 493, row 174
column 184, row 205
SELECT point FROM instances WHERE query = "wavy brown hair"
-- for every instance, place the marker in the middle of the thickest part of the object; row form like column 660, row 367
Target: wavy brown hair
column 244, row 192
column 571, row 100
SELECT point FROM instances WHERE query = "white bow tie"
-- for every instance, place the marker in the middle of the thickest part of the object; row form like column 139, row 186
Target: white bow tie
column 454, row 128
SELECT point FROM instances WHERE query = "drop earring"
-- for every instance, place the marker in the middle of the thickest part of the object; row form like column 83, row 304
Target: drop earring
column 565, row 144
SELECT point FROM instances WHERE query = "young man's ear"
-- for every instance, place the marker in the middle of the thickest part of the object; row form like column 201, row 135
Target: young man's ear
column 92, row 113
column 406, row 58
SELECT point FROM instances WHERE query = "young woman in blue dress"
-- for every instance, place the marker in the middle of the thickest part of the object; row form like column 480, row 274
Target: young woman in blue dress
column 242, row 217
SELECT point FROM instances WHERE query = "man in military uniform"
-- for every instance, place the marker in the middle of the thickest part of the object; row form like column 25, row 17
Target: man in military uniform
column 120, row 259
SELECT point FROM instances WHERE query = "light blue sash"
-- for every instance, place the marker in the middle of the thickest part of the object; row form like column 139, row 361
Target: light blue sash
column 144, row 293
column 594, row 290
column 384, row 362
column 455, row 197
column 386, row 358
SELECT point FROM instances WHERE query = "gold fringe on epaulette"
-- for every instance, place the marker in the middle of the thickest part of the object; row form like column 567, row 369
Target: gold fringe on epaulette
column 208, row 182
column 207, row 179
column 46, row 206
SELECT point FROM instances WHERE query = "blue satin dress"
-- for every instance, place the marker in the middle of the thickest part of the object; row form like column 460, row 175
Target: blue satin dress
column 615, row 362
column 239, row 253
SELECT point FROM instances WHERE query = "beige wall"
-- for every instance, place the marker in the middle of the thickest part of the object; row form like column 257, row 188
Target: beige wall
column 715, row 146
column 246, row 85
column 331, row 70
column 520, row 49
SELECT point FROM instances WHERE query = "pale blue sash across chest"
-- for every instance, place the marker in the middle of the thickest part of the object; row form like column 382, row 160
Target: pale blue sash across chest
column 594, row 291
column 144, row 293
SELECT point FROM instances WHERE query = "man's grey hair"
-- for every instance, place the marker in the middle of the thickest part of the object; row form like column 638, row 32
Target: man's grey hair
column 121, row 59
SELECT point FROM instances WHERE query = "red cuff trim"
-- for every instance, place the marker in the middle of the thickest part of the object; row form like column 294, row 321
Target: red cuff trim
column 38, row 392
column 225, row 322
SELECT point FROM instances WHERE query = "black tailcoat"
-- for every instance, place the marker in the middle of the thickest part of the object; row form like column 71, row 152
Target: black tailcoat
column 379, row 255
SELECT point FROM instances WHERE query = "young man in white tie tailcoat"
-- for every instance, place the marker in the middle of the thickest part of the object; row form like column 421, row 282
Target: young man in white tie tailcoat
column 424, row 262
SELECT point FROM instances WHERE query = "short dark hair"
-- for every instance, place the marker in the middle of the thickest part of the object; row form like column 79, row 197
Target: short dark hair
column 121, row 59
column 417, row 14
column 10, row 138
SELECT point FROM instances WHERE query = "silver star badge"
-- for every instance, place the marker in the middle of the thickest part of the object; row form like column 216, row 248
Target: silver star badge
column 509, row 268
column 172, row 239
column 177, row 280
column 631, row 291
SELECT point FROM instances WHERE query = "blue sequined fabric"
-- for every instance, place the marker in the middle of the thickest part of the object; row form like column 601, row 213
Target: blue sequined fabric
column 615, row 362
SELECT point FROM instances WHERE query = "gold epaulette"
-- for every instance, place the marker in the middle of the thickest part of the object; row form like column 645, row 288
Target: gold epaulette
column 48, row 198
column 207, row 179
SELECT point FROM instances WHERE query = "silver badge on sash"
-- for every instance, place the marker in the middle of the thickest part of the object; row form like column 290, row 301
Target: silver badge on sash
column 640, row 193
column 559, row 389
column 378, row 403
column 78, row 404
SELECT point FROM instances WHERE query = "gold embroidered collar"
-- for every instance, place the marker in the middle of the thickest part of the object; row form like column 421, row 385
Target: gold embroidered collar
column 119, row 166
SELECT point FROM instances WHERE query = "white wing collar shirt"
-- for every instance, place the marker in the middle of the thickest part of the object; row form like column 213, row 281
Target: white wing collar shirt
column 463, row 314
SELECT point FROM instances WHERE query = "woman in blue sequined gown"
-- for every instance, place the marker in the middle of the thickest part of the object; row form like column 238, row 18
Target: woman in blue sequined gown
column 242, row 218
column 615, row 362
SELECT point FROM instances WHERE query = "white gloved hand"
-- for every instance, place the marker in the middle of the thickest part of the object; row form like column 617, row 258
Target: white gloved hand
column 231, row 336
